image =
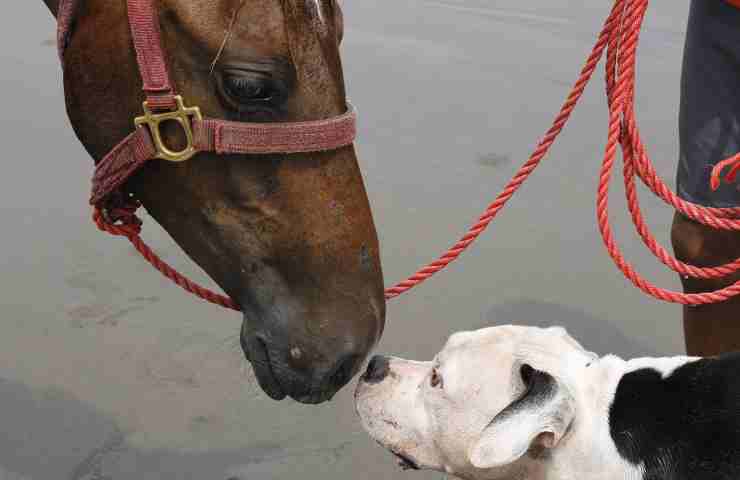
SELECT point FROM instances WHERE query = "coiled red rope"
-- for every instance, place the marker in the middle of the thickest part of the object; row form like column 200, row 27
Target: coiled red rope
column 619, row 36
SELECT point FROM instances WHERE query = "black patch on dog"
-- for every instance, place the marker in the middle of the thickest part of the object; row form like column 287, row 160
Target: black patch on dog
column 683, row 427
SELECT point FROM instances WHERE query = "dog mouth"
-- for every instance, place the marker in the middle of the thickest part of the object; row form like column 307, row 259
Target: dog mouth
column 405, row 462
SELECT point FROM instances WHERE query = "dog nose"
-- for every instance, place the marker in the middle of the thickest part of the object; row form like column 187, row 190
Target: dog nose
column 377, row 369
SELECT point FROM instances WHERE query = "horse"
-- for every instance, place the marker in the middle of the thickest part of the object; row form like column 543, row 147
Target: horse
column 289, row 237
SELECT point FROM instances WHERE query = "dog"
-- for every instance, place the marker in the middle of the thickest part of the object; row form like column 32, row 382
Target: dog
column 526, row 403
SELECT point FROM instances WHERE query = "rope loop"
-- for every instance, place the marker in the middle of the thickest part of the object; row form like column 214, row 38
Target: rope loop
column 118, row 217
column 734, row 165
column 619, row 38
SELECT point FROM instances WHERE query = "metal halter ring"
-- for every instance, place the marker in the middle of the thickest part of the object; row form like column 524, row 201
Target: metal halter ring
column 182, row 115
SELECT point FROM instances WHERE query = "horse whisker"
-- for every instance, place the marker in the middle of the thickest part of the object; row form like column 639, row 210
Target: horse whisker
column 229, row 31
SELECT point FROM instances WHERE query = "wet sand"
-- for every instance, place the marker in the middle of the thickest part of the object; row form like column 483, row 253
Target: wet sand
column 109, row 372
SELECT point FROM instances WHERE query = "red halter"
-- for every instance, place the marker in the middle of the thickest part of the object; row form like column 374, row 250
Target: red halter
column 162, row 104
column 114, row 211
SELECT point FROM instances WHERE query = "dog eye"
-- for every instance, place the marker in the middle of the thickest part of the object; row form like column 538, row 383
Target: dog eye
column 436, row 379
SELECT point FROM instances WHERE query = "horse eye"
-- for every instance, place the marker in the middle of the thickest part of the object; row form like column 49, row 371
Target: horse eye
column 245, row 90
column 436, row 379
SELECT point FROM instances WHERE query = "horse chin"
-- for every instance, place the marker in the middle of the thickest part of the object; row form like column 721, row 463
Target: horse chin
column 314, row 398
column 256, row 352
column 268, row 381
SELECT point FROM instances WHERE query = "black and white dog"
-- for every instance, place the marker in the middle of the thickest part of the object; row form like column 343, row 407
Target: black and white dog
column 521, row 403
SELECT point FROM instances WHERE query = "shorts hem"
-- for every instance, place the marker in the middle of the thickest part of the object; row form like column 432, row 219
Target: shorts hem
column 704, row 202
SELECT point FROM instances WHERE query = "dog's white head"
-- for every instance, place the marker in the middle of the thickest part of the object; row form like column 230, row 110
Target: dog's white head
column 492, row 403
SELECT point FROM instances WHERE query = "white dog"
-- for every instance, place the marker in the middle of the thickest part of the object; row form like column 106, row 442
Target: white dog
column 521, row 403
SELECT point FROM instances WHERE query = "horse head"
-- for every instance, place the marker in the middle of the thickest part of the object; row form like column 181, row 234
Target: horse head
column 289, row 237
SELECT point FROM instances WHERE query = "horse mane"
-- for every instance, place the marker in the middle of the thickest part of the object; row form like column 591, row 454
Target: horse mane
column 66, row 14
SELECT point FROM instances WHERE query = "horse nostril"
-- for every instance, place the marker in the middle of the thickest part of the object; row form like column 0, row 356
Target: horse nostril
column 377, row 369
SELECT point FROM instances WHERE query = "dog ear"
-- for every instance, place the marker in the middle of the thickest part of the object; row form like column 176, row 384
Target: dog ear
column 539, row 418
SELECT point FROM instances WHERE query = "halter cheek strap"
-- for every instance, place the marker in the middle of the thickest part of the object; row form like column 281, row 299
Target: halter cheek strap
column 163, row 104
column 152, row 64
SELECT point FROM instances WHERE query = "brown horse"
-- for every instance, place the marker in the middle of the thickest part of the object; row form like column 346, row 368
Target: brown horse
column 289, row 237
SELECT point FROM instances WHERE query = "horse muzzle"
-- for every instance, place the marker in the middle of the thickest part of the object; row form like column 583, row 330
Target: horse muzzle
column 288, row 369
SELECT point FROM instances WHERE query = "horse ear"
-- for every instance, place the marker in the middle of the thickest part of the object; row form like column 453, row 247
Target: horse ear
column 539, row 418
column 53, row 6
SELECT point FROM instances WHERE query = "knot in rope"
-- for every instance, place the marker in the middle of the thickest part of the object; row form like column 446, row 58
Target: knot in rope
column 119, row 218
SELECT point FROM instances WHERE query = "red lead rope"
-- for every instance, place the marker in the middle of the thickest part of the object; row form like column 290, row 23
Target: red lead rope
column 129, row 226
column 620, row 36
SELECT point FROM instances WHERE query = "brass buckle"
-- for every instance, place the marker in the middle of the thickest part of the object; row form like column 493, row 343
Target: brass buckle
column 181, row 115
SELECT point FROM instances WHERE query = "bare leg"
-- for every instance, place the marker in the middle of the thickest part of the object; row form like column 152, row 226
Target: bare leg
column 709, row 329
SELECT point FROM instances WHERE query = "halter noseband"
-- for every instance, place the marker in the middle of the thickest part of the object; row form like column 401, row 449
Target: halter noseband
column 202, row 134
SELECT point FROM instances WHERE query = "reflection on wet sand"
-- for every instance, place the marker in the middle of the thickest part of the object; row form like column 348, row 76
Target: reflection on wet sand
column 35, row 440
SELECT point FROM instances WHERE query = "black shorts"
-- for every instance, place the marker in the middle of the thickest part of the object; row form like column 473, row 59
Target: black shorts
column 709, row 119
